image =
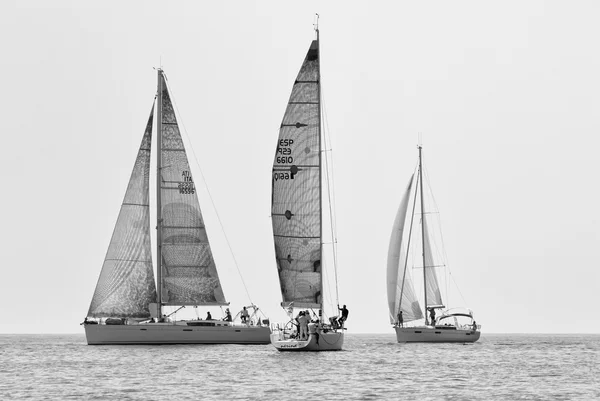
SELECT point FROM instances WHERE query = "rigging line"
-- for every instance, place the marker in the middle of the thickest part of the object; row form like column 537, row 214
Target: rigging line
column 434, row 247
column 331, row 177
column 444, row 254
column 328, row 283
column 208, row 190
column 331, row 197
column 326, row 271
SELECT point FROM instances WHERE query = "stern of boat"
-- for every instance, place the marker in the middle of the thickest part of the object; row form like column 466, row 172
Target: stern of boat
column 320, row 341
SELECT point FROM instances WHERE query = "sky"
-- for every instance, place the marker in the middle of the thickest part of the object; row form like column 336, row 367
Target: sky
column 504, row 97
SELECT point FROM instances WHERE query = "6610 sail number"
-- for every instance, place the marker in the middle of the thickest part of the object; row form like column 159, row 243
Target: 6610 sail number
column 284, row 160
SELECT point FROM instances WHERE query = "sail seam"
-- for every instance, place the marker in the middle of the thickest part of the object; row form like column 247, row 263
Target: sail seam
column 183, row 227
column 188, row 266
column 171, row 188
column 297, row 165
column 293, row 236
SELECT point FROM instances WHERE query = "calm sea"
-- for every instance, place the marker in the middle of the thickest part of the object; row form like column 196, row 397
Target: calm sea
column 372, row 367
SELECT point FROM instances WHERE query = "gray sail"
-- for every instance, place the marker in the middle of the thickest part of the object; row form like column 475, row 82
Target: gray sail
column 434, row 297
column 296, row 206
column 126, row 284
column 400, row 287
column 189, row 275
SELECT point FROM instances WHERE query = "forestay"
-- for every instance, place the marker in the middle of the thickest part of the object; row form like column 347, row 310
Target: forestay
column 296, row 206
column 189, row 275
column 126, row 284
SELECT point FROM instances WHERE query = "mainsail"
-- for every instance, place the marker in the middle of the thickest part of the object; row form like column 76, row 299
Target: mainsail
column 434, row 298
column 400, row 288
column 126, row 284
column 189, row 275
column 296, row 181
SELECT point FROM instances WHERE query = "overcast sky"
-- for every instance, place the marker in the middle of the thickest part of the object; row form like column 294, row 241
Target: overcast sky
column 505, row 96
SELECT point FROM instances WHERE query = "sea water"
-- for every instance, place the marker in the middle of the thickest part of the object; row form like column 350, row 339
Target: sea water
column 371, row 367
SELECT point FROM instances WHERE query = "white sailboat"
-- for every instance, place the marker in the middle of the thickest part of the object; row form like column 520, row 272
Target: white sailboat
column 297, row 215
column 127, row 307
column 452, row 325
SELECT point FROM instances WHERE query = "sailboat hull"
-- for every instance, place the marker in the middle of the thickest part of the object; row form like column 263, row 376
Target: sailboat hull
column 427, row 334
column 330, row 341
column 170, row 333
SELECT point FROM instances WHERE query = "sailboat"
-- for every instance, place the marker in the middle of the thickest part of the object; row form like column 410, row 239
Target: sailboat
column 297, row 216
column 451, row 325
column 127, row 307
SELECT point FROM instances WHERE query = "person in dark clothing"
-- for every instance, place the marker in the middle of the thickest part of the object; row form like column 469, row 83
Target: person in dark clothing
column 432, row 316
column 227, row 317
column 208, row 316
column 400, row 319
column 344, row 315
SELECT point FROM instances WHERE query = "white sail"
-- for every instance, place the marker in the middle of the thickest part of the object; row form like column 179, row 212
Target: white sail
column 189, row 275
column 400, row 288
column 434, row 297
column 446, row 326
column 126, row 284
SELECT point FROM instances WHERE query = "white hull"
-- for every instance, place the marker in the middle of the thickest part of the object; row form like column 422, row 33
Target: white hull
column 428, row 334
column 171, row 333
column 330, row 341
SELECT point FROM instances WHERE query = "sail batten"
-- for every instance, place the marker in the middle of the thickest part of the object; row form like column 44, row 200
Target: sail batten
column 296, row 182
column 188, row 271
column 126, row 286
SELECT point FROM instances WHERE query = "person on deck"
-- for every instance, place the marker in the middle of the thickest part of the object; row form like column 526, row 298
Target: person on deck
column 432, row 316
column 474, row 325
column 208, row 316
column 227, row 317
column 296, row 323
column 244, row 315
column 344, row 317
column 400, row 319
column 303, row 323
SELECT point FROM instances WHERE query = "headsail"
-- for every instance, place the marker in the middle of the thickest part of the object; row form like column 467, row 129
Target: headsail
column 189, row 275
column 126, row 284
column 296, row 205
column 400, row 288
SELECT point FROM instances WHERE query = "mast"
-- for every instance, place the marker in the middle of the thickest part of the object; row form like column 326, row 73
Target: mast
column 423, row 231
column 320, row 171
column 158, row 193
